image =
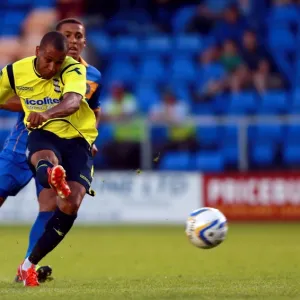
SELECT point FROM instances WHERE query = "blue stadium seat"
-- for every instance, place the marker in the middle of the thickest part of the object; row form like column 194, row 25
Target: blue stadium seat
column 292, row 134
column 122, row 70
column 181, row 90
column 266, row 132
column 159, row 134
column 206, row 108
column 175, row 161
column 183, row 68
column 230, row 152
column 188, row 44
column 242, row 103
column 152, row 69
column 147, row 95
column 294, row 108
column 157, row 45
column 106, row 134
column 208, row 136
column 282, row 39
column 274, row 102
column 291, row 154
column 43, row 3
column 210, row 72
column 100, row 41
column 263, row 153
column 182, row 18
column 209, row 161
column 11, row 22
column 283, row 15
column 126, row 45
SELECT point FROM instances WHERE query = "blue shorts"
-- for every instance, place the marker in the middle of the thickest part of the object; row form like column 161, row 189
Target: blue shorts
column 15, row 173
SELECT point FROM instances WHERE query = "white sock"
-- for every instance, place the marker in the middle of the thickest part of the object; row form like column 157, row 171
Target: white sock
column 26, row 264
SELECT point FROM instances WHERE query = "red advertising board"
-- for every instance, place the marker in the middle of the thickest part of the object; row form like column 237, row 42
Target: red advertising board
column 254, row 196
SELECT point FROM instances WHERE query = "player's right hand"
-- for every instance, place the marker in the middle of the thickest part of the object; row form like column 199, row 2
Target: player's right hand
column 36, row 119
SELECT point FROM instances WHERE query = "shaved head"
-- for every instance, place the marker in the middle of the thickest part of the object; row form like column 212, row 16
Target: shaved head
column 57, row 40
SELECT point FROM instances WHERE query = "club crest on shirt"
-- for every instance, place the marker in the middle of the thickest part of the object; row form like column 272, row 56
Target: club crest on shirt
column 56, row 85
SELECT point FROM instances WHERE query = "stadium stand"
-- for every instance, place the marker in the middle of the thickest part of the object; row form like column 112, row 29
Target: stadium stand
column 208, row 72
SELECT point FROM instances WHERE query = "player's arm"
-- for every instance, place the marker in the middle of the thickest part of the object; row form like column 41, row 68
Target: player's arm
column 74, row 79
column 13, row 104
column 95, row 103
column 6, row 87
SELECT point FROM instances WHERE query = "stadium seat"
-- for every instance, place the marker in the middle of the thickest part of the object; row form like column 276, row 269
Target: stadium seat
column 105, row 134
column 157, row 45
column 182, row 68
column 100, row 41
column 158, row 134
column 292, row 134
column 285, row 15
column 152, row 69
column 147, row 95
column 242, row 104
column 175, row 161
column 263, row 154
column 206, row 161
column 208, row 136
column 125, row 45
column 188, row 44
column 230, row 152
column 12, row 22
column 182, row 18
column 266, row 132
column 122, row 70
column 291, row 155
column 282, row 39
column 274, row 102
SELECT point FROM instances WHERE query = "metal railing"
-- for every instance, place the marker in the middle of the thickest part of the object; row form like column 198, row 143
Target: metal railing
column 242, row 124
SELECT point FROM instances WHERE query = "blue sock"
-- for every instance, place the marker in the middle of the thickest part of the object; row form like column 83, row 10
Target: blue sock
column 38, row 229
column 41, row 172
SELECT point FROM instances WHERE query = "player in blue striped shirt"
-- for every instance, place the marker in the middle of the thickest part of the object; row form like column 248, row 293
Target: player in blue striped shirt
column 14, row 169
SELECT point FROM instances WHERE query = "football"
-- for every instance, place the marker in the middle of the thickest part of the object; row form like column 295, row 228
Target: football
column 206, row 227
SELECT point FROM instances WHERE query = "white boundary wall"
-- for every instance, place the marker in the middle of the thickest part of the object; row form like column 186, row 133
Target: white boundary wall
column 122, row 197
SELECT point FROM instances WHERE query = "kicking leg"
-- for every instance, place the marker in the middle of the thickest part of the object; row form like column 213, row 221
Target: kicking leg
column 56, row 229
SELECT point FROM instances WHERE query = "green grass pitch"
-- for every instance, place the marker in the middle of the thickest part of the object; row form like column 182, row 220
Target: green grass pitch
column 257, row 261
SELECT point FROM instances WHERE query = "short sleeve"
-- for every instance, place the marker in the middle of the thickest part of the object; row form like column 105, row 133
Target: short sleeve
column 74, row 79
column 6, row 91
column 95, row 102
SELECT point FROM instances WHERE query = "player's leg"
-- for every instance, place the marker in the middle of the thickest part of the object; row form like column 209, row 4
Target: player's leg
column 47, row 205
column 78, row 163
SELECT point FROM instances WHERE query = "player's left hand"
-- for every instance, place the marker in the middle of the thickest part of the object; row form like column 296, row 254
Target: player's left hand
column 94, row 150
column 36, row 119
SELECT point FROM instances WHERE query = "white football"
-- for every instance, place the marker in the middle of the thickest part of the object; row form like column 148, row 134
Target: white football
column 206, row 227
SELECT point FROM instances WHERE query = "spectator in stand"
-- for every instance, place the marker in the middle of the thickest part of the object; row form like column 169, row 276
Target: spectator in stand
column 212, row 75
column 231, row 26
column 264, row 79
column 124, row 151
column 207, row 13
column 173, row 112
column 252, row 53
column 169, row 110
column 230, row 57
column 240, row 79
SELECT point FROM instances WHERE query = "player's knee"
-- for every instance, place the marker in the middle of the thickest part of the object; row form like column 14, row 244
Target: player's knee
column 44, row 155
column 2, row 200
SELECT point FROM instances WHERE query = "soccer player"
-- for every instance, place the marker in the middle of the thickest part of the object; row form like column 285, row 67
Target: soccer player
column 51, row 88
column 14, row 169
